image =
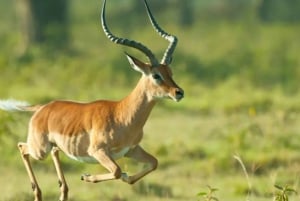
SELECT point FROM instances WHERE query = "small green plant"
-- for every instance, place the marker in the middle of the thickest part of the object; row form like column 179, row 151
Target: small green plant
column 282, row 192
column 208, row 196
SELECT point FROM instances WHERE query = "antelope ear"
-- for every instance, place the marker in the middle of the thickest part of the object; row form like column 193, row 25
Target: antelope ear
column 138, row 65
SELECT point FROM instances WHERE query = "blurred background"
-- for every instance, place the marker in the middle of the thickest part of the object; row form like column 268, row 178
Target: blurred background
column 237, row 60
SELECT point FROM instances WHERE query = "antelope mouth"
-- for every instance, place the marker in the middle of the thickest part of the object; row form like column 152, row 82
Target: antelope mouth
column 178, row 96
column 177, row 99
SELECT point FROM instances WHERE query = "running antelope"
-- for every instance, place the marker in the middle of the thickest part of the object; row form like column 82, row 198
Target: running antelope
column 101, row 131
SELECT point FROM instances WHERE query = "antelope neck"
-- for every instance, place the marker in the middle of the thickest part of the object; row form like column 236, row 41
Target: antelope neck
column 136, row 107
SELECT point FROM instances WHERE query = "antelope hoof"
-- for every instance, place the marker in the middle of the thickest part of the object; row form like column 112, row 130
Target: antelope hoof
column 83, row 177
column 126, row 178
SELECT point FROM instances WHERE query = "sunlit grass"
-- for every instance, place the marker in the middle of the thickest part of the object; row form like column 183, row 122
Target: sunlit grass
column 194, row 150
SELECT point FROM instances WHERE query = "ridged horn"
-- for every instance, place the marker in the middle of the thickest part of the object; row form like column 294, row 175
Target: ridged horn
column 167, row 58
column 126, row 42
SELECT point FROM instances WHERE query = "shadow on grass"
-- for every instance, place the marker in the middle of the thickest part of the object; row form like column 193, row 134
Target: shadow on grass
column 20, row 197
column 28, row 196
column 153, row 189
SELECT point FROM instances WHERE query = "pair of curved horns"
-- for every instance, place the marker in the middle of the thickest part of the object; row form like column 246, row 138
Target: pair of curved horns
column 167, row 58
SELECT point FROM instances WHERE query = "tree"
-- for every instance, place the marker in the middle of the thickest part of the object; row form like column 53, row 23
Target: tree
column 186, row 13
column 278, row 10
column 43, row 22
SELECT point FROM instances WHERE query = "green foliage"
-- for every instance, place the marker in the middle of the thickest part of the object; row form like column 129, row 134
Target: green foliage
column 208, row 196
column 282, row 192
column 276, row 10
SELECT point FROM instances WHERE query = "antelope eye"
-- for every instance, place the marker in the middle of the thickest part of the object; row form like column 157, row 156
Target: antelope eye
column 156, row 76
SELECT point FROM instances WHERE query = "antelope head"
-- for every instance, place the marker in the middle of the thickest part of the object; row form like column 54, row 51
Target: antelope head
column 157, row 76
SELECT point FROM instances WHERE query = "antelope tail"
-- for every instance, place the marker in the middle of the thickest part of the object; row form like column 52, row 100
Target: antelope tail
column 14, row 105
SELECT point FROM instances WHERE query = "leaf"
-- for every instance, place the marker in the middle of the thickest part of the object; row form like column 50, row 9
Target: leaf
column 285, row 197
column 214, row 198
column 278, row 197
column 278, row 187
column 290, row 190
column 201, row 194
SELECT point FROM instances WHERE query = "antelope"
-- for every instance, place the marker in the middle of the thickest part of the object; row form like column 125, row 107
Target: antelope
column 101, row 131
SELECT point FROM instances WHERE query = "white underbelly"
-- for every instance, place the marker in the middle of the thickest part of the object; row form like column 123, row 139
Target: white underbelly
column 83, row 159
column 121, row 153
column 90, row 159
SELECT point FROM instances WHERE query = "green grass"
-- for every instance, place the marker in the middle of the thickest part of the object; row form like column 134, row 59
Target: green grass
column 242, row 98
column 196, row 150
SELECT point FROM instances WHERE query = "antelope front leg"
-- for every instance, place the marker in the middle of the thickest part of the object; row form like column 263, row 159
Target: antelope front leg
column 106, row 161
column 62, row 182
column 140, row 155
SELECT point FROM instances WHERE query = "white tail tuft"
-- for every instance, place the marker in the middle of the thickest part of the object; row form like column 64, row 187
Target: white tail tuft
column 12, row 105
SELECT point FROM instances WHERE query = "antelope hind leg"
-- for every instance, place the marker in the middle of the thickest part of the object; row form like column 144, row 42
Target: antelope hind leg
column 25, row 157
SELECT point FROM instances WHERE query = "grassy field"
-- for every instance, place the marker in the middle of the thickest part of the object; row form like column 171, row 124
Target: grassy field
column 242, row 99
column 192, row 154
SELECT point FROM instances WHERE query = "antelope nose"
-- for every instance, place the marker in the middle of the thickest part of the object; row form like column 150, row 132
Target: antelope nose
column 179, row 94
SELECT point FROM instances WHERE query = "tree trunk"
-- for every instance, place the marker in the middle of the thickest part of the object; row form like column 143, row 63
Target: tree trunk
column 43, row 22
